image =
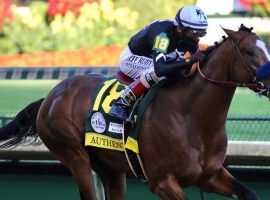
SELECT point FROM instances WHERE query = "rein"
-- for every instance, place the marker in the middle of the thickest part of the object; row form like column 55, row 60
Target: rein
column 258, row 85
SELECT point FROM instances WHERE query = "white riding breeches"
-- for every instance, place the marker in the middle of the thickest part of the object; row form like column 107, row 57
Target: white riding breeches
column 138, row 67
column 134, row 65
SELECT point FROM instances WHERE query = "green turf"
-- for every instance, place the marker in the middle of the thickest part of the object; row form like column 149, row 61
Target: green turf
column 247, row 103
column 14, row 95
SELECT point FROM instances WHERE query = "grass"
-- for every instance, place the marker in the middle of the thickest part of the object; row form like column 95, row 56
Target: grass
column 247, row 103
column 16, row 94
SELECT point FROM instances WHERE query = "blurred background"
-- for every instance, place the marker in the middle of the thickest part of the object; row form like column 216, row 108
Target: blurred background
column 43, row 42
column 94, row 32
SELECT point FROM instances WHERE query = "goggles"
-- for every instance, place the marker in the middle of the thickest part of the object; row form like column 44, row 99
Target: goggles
column 195, row 33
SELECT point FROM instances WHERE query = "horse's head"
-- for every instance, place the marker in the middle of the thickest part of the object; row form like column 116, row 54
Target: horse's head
column 251, row 60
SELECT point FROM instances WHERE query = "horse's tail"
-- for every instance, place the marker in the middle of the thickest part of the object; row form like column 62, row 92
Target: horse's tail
column 21, row 127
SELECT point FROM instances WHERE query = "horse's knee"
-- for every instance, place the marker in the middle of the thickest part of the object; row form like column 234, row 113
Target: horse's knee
column 169, row 189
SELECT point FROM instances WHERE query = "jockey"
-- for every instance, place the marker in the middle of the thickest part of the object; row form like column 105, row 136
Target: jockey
column 157, row 51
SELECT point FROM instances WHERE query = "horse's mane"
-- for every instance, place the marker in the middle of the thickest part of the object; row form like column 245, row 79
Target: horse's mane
column 209, row 50
column 216, row 44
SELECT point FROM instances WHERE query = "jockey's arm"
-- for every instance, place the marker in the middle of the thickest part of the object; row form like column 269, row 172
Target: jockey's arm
column 163, row 68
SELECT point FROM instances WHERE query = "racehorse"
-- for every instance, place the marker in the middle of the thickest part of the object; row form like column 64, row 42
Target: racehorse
column 182, row 139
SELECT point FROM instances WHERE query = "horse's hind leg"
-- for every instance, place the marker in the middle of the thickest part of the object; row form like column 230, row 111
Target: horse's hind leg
column 224, row 183
column 168, row 189
column 81, row 170
column 114, row 182
column 77, row 161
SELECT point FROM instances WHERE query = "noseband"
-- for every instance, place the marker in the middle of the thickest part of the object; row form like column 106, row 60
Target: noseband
column 259, row 86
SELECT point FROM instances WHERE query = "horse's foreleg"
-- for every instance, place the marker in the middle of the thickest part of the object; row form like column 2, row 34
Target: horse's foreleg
column 225, row 184
column 169, row 189
column 114, row 182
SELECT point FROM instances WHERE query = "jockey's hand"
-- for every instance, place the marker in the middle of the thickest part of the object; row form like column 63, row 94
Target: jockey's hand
column 198, row 56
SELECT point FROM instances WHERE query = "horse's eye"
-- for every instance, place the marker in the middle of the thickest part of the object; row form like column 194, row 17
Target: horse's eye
column 250, row 52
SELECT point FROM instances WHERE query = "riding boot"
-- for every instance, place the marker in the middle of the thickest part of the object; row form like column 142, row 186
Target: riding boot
column 124, row 104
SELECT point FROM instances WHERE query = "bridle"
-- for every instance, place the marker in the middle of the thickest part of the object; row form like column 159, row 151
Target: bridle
column 259, row 86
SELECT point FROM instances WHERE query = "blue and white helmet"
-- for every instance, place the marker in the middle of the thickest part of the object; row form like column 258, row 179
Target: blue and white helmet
column 191, row 17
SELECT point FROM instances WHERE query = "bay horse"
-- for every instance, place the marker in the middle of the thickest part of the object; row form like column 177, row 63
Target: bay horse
column 182, row 139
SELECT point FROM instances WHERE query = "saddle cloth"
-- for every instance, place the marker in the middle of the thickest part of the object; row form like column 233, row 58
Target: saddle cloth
column 105, row 131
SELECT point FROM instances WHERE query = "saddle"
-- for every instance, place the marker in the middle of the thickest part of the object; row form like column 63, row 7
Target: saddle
column 123, row 78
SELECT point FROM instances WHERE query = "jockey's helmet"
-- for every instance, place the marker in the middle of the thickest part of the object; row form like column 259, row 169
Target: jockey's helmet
column 192, row 20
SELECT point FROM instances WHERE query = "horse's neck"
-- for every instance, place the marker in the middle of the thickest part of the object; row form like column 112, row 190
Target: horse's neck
column 216, row 98
column 212, row 100
column 202, row 100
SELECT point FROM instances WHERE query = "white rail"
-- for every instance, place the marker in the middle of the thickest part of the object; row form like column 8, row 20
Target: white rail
column 238, row 153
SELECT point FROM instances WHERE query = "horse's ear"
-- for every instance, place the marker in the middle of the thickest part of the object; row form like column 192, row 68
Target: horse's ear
column 232, row 34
